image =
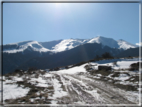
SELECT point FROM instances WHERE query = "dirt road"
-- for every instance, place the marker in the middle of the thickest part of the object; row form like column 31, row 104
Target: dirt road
column 83, row 89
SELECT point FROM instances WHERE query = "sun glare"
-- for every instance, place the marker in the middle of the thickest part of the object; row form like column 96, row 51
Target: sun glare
column 57, row 4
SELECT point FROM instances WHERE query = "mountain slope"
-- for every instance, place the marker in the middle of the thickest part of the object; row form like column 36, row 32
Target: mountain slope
column 49, row 45
column 129, row 52
column 78, row 54
column 12, row 61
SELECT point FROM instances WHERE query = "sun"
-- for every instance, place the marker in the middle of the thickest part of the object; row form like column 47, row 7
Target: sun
column 57, row 4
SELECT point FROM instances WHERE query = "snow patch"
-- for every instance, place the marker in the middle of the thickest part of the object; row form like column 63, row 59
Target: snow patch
column 41, row 82
column 122, row 77
column 12, row 91
column 73, row 70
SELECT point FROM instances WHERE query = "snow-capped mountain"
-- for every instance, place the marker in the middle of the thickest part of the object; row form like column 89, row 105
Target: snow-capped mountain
column 120, row 44
column 22, row 46
column 72, row 43
column 125, row 45
column 63, row 45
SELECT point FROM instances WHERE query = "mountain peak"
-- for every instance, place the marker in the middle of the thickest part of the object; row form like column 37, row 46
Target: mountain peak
column 104, row 41
column 120, row 40
column 100, row 37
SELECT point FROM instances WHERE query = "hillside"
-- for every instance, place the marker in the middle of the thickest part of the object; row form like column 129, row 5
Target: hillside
column 75, row 85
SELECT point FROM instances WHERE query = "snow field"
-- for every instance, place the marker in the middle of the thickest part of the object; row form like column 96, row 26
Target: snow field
column 121, row 63
column 12, row 91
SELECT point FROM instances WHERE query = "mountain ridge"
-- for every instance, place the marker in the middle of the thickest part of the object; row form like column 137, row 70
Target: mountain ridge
column 66, row 44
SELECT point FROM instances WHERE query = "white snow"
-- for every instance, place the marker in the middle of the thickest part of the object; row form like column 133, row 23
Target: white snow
column 135, row 95
column 121, row 63
column 17, row 79
column 12, row 91
column 41, row 82
column 73, row 70
column 58, row 91
column 48, row 75
column 94, row 40
column 124, row 64
column 112, row 43
column 54, row 102
column 87, row 89
column 94, row 93
column 125, row 45
column 32, row 100
column 99, row 75
column 67, row 44
column 122, row 77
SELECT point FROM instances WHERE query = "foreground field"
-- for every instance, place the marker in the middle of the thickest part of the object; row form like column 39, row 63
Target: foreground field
column 74, row 86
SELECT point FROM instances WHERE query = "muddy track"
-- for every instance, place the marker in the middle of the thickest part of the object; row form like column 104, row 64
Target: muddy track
column 107, row 92
column 89, row 91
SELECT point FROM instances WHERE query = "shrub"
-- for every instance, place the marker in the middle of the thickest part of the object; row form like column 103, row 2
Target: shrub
column 106, row 68
column 17, row 71
column 32, row 69
column 66, row 67
column 103, row 72
column 116, row 74
column 56, row 69
column 135, row 66
column 87, row 67
column 106, row 55
column 133, row 79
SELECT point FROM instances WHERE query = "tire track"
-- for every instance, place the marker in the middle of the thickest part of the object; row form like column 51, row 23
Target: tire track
column 107, row 91
column 89, row 91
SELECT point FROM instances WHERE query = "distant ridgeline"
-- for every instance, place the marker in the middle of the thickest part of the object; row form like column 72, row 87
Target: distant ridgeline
column 33, row 54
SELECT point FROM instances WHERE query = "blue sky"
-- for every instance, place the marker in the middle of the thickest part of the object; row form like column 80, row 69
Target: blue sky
column 53, row 21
